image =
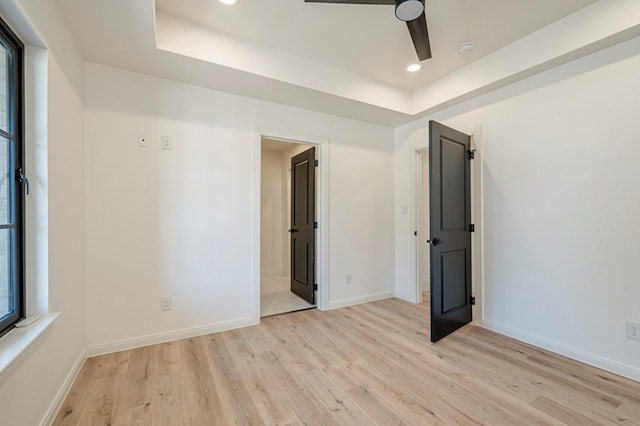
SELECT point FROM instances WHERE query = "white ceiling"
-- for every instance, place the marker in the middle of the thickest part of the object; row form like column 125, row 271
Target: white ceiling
column 368, row 40
column 346, row 60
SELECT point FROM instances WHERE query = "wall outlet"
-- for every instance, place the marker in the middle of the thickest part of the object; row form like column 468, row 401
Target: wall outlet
column 347, row 279
column 633, row 330
column 165, row 304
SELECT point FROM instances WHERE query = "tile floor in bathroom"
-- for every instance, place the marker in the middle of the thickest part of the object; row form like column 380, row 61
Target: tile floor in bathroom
column 277, row 298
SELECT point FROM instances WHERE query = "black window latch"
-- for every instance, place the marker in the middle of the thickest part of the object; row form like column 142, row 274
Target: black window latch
column 20, row 177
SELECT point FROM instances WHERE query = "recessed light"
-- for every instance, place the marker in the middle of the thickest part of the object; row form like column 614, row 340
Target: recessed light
column 466, row 47
column 414, row 67
column 228, row 2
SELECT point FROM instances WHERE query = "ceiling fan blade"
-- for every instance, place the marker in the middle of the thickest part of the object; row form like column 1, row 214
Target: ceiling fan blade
column 353, row 1
column 420, row 36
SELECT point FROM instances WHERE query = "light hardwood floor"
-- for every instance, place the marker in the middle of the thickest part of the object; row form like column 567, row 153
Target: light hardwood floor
column 370, row 364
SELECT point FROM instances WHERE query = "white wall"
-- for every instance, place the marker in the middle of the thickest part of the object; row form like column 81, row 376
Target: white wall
column 30, row 386
column 178, row 223
column 561, row 206
column 272, row 213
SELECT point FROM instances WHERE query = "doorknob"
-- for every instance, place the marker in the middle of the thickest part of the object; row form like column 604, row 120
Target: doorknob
column 292, row 230
column 434, row 242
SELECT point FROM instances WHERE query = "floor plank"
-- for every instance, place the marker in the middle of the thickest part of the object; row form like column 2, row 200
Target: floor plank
column 368, row 364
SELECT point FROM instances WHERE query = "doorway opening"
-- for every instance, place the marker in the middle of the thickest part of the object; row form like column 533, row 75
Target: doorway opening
column 423, row 274
column 287, row 232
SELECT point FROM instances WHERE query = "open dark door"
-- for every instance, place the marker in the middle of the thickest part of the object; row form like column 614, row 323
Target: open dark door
column 450, row 210
column 303, row 214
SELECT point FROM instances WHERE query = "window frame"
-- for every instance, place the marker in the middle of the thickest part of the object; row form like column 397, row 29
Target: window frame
column 15, row 132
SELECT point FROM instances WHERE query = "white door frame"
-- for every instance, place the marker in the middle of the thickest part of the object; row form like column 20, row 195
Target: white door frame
column 477, row 278
column 322, row 209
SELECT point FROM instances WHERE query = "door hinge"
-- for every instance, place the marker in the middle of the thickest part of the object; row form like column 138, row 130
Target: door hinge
column 315, row 287
column 472, row 228
column 473, row 300
column 472, row 154
column 315, row 163
column 315, row 225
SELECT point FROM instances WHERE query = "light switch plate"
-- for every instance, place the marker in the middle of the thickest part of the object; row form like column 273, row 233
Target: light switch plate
column 166, row 142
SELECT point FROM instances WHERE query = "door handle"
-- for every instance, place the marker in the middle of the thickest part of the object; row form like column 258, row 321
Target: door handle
column 293, row 230
column 435, row 241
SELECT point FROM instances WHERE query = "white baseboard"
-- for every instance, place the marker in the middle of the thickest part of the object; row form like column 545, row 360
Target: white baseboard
column 64, row 389
column 153, row 339
column 410, row 298
column 357, row 300
column 404, row 297
column 625, row 370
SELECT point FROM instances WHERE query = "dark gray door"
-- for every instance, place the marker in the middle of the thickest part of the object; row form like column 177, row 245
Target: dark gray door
column 450, row 211
column 303, row 213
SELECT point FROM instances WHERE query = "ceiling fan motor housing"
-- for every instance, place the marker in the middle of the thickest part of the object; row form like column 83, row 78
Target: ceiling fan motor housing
column 408, row 10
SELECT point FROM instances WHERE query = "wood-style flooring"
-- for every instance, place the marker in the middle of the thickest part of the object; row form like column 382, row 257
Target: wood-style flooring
column 370, row 364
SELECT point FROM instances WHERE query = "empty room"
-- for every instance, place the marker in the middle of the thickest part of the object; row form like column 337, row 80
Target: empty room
column 290, row 212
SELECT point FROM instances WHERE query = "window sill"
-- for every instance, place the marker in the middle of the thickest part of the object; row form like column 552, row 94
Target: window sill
column 18, row 340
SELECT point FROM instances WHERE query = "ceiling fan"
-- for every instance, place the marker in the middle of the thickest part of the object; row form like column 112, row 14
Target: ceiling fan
column 410, row 11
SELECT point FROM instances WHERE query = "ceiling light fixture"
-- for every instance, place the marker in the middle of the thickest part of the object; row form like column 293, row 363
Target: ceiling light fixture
column 466, row 47
column 228, row 2
column 408, row 10
column 414, row 67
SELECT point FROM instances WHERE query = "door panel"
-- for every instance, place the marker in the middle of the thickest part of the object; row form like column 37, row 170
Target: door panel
column 453, row 185
column 303, row 238
column 454, row 295
column 450, row 217
column 300, row 203
column 300, row 254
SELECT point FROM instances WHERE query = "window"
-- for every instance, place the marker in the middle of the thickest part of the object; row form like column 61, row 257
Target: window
column 12, row 299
